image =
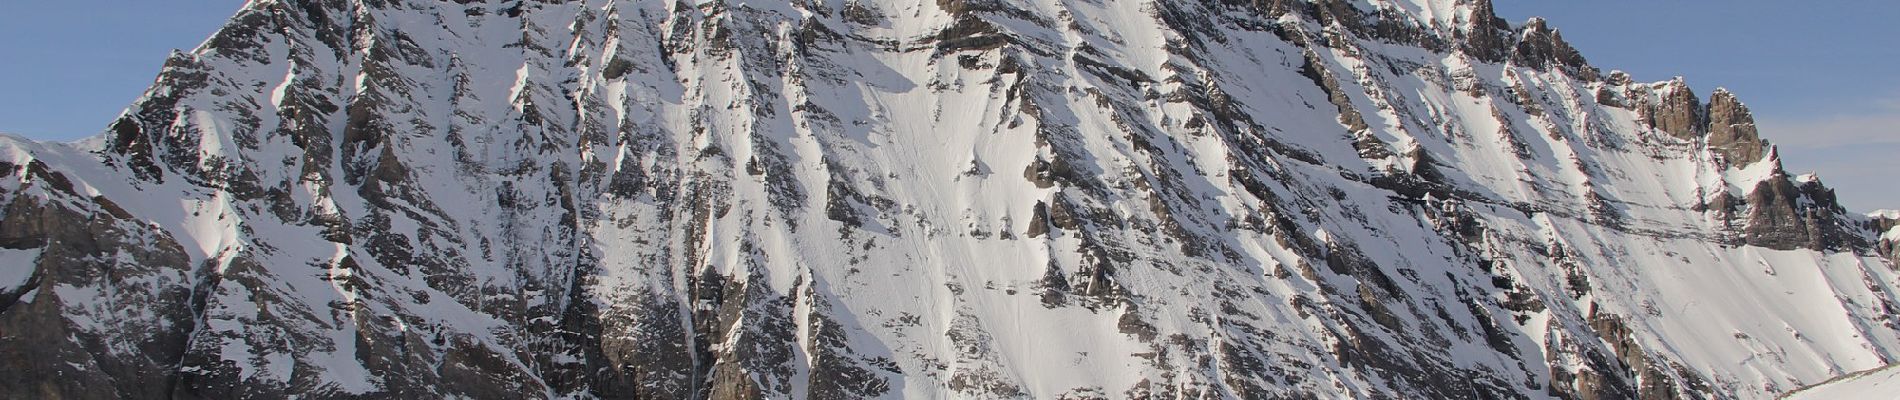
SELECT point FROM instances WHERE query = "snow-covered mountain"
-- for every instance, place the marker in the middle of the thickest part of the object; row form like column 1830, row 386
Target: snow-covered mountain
column 833, row 199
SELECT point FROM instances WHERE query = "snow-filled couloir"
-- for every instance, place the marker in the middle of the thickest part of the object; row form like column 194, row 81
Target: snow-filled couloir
column 832, row 199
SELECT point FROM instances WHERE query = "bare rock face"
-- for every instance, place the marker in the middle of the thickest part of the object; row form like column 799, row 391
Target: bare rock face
column 1724, row 124
column 1674, row 109
column 1881, row 226
column 1539, row 46
column 1786, row 213
column 60, row 342
column 1778, row 218
column 820, row 199
column 1890, row 249
column 1485, row 36
column 1732, row 130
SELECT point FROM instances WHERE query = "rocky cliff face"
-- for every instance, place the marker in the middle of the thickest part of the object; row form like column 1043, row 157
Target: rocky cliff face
column 1887, row 223
column 836, row 199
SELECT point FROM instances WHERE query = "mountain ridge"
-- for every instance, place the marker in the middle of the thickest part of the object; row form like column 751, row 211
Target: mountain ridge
column 821, row 199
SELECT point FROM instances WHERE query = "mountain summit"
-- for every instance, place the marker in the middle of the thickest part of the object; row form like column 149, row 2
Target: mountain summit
column 840, row 199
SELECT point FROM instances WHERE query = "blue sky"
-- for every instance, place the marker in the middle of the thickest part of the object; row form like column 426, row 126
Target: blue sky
column 1821, row 76
column 70, row 66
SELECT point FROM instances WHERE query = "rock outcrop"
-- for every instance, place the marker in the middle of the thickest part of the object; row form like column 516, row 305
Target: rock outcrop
column 821, row 199
column 1732, row 131
column 1883, row 225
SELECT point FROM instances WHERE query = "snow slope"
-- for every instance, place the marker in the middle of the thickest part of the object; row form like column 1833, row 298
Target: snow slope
column 1883, row 383
column 951, row 199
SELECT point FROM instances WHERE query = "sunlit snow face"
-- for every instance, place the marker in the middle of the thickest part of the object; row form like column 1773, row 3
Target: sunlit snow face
column 771, row 200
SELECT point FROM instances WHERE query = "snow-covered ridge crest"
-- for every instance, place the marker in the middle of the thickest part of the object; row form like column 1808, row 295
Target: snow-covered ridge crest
column 949, row 199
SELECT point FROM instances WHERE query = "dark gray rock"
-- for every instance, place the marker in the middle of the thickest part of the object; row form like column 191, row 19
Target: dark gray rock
column 1785, row 214
column 57, row 346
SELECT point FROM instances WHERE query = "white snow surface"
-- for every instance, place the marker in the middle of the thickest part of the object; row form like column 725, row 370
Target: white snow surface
column 16, row 268
column 940, row 278
column 1879, row 384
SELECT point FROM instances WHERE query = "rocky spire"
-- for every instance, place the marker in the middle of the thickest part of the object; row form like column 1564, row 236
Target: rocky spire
column 1540, row 46
column 1675, row 109
column 1483, row 35
column 1732, row 130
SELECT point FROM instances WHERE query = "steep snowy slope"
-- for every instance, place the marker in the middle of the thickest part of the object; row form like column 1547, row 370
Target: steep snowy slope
column 1877, row 384
column 834, row 199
